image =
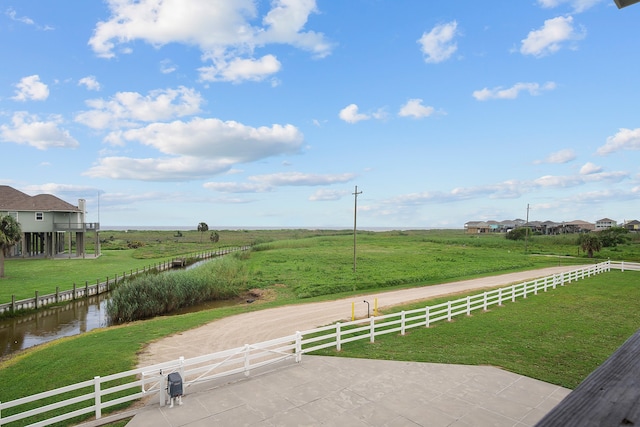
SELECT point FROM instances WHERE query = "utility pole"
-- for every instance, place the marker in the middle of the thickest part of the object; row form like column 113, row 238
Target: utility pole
column 526, row 231
column 355, row 216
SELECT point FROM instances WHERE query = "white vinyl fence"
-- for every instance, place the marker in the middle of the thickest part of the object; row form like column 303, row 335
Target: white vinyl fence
column 94, row 396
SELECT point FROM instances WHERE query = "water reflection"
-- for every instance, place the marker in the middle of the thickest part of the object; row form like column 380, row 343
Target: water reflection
column 74, row 318
column 48, row 324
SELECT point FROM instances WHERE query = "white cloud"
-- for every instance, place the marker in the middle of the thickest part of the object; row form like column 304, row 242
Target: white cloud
column 512, row 92
column 31, row 88
column 268, row 182
column 302, row 179
column 130, row 108
column 350, row 114
column 239, row 69
column 509, row 189
column 625, row 139
column 196, row 149
column 577, row 5
column 226, row 31
column 438, row 44
column 167, row 66
column 414, row 108
column 590, row 168
column 562, row 156
column 284, row 24
column 237, row 187
column 325, row 195
column 90, row 83
column 30, row 130
column 13, row 15
column 158, row 169
column 56, row 189
column 213, row 138
column 551, row 37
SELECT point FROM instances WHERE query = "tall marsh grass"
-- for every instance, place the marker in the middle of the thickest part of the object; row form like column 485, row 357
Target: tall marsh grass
column 156, row 294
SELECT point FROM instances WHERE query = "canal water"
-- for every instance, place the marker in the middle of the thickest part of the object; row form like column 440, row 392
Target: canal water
column 48, row 324
column 74, row 318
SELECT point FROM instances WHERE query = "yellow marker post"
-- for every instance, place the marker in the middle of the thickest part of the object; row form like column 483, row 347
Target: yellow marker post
column 353, row 311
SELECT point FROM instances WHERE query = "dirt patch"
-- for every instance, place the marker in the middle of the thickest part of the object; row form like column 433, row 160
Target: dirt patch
column 262, row 295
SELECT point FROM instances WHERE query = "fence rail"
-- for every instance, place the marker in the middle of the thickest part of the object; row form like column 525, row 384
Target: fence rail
column 94, row 396
column 621, row 265
column 87, row 290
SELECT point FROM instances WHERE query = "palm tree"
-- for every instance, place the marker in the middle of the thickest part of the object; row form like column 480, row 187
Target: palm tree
column 589, row 243
column 202, row 228
column 10, row 234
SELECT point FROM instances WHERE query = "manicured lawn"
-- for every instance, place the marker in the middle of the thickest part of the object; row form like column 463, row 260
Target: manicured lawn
column 559, row 337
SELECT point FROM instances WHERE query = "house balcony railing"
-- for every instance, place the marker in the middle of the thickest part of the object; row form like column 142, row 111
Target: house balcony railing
column 76, row 226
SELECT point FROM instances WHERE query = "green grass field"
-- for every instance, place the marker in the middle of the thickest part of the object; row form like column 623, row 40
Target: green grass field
column 312, row 262
column 557, row 337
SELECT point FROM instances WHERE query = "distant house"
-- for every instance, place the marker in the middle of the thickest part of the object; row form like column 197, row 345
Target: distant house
column 546, row 227
column 577, row 226
column 605, row 223
column 633, row 225
column 476, row 227
column 47, row 223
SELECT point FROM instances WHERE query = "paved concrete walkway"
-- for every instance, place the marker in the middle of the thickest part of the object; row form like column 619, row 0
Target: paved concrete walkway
column 336, row 391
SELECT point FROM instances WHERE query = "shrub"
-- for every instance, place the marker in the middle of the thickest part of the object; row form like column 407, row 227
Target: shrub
column 155, row 294
column 519, row 233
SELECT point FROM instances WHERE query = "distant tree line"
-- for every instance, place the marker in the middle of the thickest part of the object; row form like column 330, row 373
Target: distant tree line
column 589, row 242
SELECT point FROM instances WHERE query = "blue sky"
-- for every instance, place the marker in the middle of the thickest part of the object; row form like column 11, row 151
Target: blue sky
column 269, row 113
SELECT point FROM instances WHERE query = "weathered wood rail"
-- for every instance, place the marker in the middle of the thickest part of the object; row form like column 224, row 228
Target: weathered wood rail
column 99, row 287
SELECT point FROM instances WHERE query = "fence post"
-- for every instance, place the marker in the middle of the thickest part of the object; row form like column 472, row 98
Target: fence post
column 13, row 303
column 36, row 300
column 86, row 289
column 57, row 294
column 96, row 388
column 74, row 291
column 621, row 266
column 513, row 293
column 525, row 290
column 372, row 330
column 181, row 369
column 247, row 361
column 484, row 301
column 499, row 297
column 449, row 311
column 338, row 333
column 402, row 322
column 298, row 346
column 469, row 305
column 426, row 316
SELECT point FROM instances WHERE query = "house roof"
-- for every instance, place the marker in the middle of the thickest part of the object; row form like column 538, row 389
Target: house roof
column 578, row 222
column 14, row 200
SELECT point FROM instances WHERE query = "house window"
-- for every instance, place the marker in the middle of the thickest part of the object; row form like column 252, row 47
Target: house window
column 39, row 216
column 14, row 215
